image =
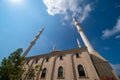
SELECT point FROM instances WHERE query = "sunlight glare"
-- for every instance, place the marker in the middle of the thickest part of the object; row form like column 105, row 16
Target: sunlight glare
column 16, row 1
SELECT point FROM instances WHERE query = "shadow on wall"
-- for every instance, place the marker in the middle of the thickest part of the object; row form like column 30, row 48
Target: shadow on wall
column 103, row 68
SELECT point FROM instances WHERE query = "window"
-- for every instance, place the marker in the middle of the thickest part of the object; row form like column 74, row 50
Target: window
column 77, row 55
column 60, row 72
column 61, row 58
column 47, row 59
column 81, row 71
column 43, row 73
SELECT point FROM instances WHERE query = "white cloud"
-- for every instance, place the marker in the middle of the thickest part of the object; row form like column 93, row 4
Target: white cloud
column 116, row 29
column 55, row 7
column 117, row 6
column 116, row 67
column 106, row 48
column 85, row 12
column 117, row 37
column 68, row 8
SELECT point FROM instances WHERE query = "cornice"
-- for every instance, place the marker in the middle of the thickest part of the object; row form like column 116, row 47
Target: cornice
column 58, row 53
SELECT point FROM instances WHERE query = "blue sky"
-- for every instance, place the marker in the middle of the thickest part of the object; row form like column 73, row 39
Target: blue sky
column 20, row 21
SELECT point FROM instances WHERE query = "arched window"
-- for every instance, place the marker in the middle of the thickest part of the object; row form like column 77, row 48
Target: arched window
column 77, row 55
column 60, row 71
column 61, row 57
column 43, row 73
column 47, row 59
column 81, row 70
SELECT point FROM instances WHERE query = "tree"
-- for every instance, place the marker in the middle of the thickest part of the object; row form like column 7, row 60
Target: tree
column 31, row 74
column 11, row 67
column 33, row 71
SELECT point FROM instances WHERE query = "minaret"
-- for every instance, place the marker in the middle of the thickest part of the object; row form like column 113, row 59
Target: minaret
column 33, row 42
column 86, row 41
column 101, row 64
column 84, row 38
column 78, row 42
column 54, row 47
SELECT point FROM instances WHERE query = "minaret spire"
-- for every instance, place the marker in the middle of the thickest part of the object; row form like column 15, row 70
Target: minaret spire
column 101, row 64
column 86, row 41
column 33, row 42
column 78, row 42
column 54, row 47
column 84, row 38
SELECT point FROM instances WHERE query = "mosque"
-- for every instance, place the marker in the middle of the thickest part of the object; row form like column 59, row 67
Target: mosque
column 83, row 63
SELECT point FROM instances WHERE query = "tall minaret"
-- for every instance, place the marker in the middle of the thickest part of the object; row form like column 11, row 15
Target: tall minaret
column 84, row 38
column 33, row 42
column 99, row 62
column 86, row 41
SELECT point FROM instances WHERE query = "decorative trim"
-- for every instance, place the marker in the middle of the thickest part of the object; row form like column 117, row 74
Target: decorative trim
column 83, row 77
column 73, row 66
column 53, row 69
column 56, row 53
column 60, row 78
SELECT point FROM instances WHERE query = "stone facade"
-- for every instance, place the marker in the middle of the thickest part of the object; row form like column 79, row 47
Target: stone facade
column 74, row 64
